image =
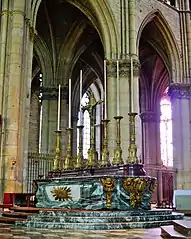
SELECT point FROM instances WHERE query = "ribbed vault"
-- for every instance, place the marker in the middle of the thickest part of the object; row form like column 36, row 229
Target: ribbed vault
column 66, row 42
column 155, row 66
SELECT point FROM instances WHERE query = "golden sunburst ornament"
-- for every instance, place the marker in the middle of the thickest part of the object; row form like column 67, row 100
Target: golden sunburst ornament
column 61, row 193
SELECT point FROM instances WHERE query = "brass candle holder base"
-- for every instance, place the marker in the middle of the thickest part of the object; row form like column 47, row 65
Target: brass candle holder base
column 105, row 153
column 117, row 160
column 68, row 164
column 56, row 165
column 132, row 158
column 92, row 160
column 80, row 158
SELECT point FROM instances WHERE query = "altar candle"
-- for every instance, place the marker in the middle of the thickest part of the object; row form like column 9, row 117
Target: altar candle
column 132, row 87
column 58, row 121
column 70, row 104
column 118, row 103
column 80, row 119
column 105, row 89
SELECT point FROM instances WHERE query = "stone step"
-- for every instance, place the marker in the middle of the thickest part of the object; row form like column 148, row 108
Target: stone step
column 103, row 219
column 4, row 225
column 9, row 220
column 91, row 226
column 17, row 214
column 26, row 209
column 117, row 213
column 169, row 232
column 183, row 227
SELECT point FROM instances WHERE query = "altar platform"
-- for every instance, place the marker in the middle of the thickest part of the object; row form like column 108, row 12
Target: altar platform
column 99, row 219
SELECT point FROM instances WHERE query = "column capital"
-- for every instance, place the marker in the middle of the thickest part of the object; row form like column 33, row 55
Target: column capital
column 180, row 91
column 124, row 67
column 148, row 116
column 51, row 93
column 111, row 68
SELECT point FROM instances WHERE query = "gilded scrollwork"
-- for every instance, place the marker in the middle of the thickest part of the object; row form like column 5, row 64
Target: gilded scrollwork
column 135, row 187
column 108, row 187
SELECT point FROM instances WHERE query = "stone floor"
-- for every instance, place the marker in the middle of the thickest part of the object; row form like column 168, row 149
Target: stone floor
column 8, row 231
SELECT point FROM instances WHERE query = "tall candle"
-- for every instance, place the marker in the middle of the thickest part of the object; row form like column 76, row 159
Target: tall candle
column 80, row 89
column 105, row 89
column 58, row 120
column 80, row 120
column 132, row 87
column 118, row 103
column 70, row 104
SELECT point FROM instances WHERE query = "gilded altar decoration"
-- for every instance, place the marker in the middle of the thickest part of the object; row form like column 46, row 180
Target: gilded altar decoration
column 61, row 193
column 153, row 185
column 135, row 187
column 108, row 187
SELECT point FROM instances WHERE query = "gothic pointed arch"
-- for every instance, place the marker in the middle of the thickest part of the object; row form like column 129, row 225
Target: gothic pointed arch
column 44, row 56
column 101, row 18
column 166, row 45
column 67, row 52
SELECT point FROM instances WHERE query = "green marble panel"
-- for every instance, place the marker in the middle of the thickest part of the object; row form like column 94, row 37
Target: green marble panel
column 92, row 193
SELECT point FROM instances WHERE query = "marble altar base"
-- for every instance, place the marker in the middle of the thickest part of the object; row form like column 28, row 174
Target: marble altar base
column 95, row 192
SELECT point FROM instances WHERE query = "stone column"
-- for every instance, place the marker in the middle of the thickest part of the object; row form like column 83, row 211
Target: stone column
column 151, row 138
column 49, row 119
column 15, row 71
column 124, row 75
column 34, row 123
column 126, row 103
column 181, row 127
column 111, row 104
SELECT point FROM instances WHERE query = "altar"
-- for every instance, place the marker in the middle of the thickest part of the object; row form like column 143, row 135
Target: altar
column 96, row 192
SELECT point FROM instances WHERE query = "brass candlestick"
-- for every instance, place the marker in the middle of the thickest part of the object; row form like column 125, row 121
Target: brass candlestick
column 117, row 160
column 68, row 165
column 132, row 158
column 56, row 164
column 105, row 153
column 92, row 153
column 80, row 158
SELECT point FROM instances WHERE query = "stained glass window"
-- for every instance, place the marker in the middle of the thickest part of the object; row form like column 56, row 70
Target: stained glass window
column 166, row 131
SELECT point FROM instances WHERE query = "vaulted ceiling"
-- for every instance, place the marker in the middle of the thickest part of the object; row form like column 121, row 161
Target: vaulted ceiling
column 71, row 42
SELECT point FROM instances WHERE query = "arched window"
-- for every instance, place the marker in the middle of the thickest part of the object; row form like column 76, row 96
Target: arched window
column 166, row 131
column 86, row 129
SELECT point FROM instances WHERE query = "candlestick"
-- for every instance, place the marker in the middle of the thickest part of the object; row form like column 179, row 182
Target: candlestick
column 70, row 104
column 118, row 103
column 117, row 160
column 131, row 87
column 58, row 121
column 105, row 89
column 56, row 165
